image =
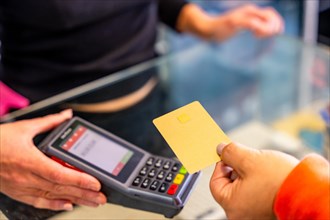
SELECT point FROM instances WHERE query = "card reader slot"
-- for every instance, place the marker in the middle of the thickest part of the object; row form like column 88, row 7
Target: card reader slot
column 187, row 189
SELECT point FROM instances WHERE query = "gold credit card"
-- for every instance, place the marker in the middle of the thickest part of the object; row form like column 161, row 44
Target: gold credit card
column 193, row 135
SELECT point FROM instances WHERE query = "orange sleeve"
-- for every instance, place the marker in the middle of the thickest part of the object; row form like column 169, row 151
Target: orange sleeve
column 305, row 193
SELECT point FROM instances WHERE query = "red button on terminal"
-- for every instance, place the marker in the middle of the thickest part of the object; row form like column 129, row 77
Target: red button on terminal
column 172, row 189
column 65, row 164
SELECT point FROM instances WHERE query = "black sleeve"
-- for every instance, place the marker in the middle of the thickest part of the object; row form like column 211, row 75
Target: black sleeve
column 169, row 11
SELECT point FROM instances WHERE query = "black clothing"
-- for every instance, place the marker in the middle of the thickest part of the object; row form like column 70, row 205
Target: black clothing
column 51, row 46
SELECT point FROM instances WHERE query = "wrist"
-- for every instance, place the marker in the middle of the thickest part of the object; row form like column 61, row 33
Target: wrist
column 223, row 27
column 194, row 20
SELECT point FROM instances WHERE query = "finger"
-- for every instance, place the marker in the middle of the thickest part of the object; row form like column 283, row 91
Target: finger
column 281, row 26
column 221, row 171
column 75, row 200
column 43, row 124
column 264, row 22
column 50, row 190
column 36, row 186
column 220, row 179
column 76, row 195
column 262, row 14
column 233, row 175
column 92, row 202
column 277, row 17
column 42, row 203
column 258, row 27
column 237, row 156
column 56, row 173
column 274, row 21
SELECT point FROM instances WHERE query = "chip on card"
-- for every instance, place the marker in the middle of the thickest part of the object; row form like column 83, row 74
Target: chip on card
column 193, row 135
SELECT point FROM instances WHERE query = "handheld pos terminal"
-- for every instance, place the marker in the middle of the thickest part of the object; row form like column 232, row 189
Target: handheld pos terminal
column 130, row 176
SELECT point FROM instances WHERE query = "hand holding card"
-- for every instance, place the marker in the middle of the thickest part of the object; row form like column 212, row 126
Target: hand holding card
column 193, row 135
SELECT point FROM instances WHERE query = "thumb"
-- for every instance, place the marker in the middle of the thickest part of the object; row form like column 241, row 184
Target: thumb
column 236, row 156
column 48, row 122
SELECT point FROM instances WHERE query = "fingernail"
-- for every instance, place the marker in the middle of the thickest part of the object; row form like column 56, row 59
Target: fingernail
column 233, row 175
column 67, row 113
column 101, row 200
column 68, row 207
column 220, row 148
column 94, row 186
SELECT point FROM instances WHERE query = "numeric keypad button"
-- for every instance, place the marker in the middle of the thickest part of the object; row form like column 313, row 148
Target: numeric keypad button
column 145, row 183
column 143, row 171
column 150, row 161
column 161, row 175
column 167, row 165
column 152, row 173
column 137, row 181
column 176, row 167
column 169, row 177
column 163, row 187
column 158, row 163
column 154, row 185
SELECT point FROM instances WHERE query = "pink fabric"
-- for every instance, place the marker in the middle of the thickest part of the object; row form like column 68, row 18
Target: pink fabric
column 10, row 99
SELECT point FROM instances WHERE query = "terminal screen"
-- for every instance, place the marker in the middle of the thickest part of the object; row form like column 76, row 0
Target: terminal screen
column 96, row 149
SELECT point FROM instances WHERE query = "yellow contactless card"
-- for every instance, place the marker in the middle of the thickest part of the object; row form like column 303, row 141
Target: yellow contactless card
column 193, row 135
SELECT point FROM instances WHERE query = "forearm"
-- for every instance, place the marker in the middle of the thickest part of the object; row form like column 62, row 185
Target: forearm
column 194, row 20
column 263, row 22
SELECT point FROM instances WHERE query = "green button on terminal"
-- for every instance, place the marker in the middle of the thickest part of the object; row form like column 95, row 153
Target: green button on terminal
column 183, row 170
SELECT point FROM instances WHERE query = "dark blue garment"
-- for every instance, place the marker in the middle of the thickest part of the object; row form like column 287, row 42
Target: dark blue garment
column 54, row 45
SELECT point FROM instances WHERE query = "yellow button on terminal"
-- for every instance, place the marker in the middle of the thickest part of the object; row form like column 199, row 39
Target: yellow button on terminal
column 178, row 179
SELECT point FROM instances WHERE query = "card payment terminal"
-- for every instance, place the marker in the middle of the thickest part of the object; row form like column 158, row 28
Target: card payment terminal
column 130, row 176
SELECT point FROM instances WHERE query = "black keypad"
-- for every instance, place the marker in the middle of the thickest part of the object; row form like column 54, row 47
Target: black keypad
column 157, row 175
